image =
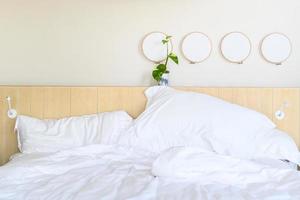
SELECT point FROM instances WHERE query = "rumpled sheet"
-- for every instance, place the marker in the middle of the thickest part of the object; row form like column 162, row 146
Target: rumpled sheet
column 115, row 172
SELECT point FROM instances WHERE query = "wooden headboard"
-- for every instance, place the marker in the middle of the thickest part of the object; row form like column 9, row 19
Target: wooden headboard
column 57, row 102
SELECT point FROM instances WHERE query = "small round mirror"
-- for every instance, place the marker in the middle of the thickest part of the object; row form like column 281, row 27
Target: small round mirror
column 196, row 47
column 276, row 48
column 153, row 48
column 235, row 47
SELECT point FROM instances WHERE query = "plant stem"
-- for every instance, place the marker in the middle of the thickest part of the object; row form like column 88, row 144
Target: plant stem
column 167, row 59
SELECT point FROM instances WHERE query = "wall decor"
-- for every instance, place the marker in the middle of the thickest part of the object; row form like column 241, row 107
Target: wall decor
column 196, row 47
column 235, row 47
column 276, row 48
column 153, row 49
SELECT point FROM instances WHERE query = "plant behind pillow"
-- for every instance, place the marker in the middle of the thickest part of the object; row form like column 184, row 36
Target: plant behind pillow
column 161, row 68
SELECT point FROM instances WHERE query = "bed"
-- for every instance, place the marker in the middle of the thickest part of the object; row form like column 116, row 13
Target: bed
column 128, row 170
column 108, row 172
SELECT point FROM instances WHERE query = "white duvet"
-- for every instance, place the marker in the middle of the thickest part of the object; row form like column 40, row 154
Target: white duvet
column 114, row 172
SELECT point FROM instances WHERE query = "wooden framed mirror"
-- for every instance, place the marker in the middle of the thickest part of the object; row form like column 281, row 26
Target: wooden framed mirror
column 235, row 47
column 276, row 48
column 153, row 49
column 196, row 47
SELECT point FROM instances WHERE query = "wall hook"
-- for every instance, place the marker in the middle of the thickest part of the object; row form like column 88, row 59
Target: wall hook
column 280, row 114
column 11, row 113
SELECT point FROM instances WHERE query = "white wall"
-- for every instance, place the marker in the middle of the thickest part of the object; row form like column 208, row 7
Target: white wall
column 96, row 42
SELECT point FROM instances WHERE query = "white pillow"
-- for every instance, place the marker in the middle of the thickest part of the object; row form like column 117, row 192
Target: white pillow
column 178, row 118
column 277, row 145
column 35, row 135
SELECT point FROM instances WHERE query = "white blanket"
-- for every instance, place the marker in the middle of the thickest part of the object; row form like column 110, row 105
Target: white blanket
column 111, row 172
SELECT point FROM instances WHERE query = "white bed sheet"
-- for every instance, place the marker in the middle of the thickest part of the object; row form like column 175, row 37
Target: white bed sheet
column 114, row 172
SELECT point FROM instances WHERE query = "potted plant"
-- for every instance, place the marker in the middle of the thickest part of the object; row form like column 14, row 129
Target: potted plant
column 160, row 72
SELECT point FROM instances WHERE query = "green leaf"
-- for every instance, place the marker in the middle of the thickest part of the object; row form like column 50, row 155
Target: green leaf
column 173, row 57
column 155, row 75
column 165, row 41
column 161, row 67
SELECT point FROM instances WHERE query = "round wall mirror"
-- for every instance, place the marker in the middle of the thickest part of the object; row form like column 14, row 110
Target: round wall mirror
column 235, row 47
column 276, row 48
column 196, row 47
column 153, row 48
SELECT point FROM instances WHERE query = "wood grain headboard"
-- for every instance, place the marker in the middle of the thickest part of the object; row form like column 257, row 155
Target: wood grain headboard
column 57, row 102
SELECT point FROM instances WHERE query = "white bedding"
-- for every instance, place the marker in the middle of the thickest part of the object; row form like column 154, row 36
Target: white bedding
column 114, row 172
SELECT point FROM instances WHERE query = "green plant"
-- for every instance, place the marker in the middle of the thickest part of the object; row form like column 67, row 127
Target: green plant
column 162, row 68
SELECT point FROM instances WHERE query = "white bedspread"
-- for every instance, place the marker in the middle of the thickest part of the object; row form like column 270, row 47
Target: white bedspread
column 111, row 172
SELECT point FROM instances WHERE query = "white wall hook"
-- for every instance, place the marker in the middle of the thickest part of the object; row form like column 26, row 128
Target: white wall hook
column 280, row 114
column 11, row 113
